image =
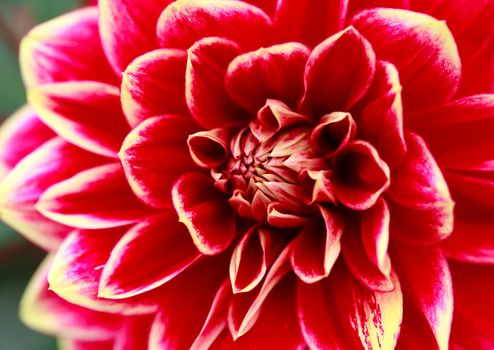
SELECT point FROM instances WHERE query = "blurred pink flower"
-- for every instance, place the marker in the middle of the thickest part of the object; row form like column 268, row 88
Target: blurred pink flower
column 258, row 174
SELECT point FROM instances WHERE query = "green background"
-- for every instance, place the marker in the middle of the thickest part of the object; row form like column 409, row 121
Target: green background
column 18, row 258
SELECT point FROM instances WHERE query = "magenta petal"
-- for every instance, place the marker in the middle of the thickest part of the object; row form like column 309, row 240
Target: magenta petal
column 205, row 211
column 77, row 201
column 209, row 149
column 161, row 241
column 82, row 113
column 66, row 48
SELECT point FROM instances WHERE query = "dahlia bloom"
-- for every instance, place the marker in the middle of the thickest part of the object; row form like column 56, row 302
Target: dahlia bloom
column 258, row 174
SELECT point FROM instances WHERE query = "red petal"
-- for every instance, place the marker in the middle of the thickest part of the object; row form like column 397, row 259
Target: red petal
column 421, row 47
column 74, row 344
column 205, row 211
column 275, row 72
column 473, row 318
column 381, row 121
column 277, row 326
column 426, row 280
column 309, row 22
column 245, row 307
column 357, row 5
column 155, row 154
column 339, row 313
column 96, row 198
column 23, row 125
column 332, row 133
column 209, row 149
column 76, row 271
column 154, row 84
column 162, row 243
column 193, row 307
column 267, row 6
column 128, row 29
column 82, row 113
column 205, row 91
column 459, row 134
column 46, row 312
column 317, row 246
column 360, row 175
column 421, row 206
column 185, row 22
column 66, row 48
column 133, row 333
column 349, row 60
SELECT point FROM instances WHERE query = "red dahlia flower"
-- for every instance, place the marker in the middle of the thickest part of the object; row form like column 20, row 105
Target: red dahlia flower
column 258, row 175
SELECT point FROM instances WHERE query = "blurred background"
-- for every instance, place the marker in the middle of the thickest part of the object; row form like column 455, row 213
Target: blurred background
column 19, row 258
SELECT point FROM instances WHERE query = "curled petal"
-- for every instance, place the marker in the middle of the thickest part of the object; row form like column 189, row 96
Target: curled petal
column 128, row 29
column 82, row 113
column 161, row 240
column 77, row 201
column 209, row 149
column 155, row 154
column 154, row 84
column 351, row 74
column 66, row 48
column 422, row 49
column 205, row 211
column 275, row 72
column 206, row 94
column 317, row 246
column 185, row 22
column 332, row 133
column 360, row 176
column 374, row 230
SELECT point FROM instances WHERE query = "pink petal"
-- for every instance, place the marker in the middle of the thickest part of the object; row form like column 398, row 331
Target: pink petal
column 277, row 325
column 205, row 211
column 360, row 176
column 162, row 242
column 275, row 72
column 381, row 121
column 421, row 205
column 317, row 246
column 75, row 344
column 245, row 307
column 155, row 154
column 185, row 22
column 23, row 125
column 332, row 133
column 43, row 310
column 349, row 60
column 309, row 22
column 205, row 91
column 94, row 199
column 193, row 307
column 66, row 48
column 459, row 133
column 422, row 49
column 209, row 149
column 133, row 333
column 339, row 313
column 82, row 113
column 426, row 280
column 127, row 29
column 76, row 271
column 154, row 84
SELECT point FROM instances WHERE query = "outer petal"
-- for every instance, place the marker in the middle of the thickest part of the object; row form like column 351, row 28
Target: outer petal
column 76, row 270
column 309, row 22
column 75, row 344
column 185, row 22
column 154, row 84
column 205, row 211
column 358, row 5
column 66, row 48
column 275, row 72
column 96, row 198
column 155, row 154
column 351, row 74
column 82, row 113
column 146, row 257
column 43, row 310
column 23, row 125
column 426, row 280
column 127, row 29
column 421, row 47
column 339, row 313
column 205, row 91
column 421, row 207
column 133, row 333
